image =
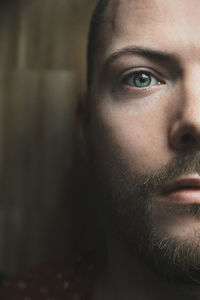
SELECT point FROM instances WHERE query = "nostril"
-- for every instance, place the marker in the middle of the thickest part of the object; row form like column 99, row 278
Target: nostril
column 188, row 139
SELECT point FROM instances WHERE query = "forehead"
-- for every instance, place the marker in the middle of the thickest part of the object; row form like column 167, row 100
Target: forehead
column 166, row 24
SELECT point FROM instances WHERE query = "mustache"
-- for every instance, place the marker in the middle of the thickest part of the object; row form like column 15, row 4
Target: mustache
column 154, row 182
column 145, row 187
column 183, row 164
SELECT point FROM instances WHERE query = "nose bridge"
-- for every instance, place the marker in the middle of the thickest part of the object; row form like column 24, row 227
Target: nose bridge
column 186, row 129
column 190, row 93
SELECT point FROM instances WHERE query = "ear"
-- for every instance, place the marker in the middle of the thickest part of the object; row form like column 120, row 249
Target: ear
column 82, row 113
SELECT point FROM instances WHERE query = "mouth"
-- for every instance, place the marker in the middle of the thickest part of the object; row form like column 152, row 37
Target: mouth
column 184, row 190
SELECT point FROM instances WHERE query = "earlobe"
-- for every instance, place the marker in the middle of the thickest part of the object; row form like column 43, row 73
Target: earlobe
column 82, row 124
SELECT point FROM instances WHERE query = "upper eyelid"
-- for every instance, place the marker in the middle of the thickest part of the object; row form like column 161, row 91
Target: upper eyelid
column 131, row 71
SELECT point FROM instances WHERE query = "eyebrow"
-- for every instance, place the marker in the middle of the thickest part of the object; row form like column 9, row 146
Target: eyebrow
column 146, row 52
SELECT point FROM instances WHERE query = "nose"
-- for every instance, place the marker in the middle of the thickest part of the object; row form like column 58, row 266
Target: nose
column 186, row 137
column 185, row 130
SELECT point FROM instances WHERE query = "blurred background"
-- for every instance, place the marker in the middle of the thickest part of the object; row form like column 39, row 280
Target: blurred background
column 46, row 198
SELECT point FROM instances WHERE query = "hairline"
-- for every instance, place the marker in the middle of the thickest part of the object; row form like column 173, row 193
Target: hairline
column 97, row 20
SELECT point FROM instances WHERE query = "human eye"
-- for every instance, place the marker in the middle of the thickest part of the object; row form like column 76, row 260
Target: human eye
column 141, row 79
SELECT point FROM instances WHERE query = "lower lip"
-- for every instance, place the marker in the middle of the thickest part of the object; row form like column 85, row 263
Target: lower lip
column 184, row 196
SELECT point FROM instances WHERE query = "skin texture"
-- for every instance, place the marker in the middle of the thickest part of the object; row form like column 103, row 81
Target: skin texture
column 140, row 140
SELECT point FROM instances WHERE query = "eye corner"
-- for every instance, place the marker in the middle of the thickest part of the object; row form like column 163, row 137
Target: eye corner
column 142, row 79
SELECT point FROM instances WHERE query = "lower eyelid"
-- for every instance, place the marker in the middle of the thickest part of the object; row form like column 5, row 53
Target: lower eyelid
column 139, row 90
column 127, row 89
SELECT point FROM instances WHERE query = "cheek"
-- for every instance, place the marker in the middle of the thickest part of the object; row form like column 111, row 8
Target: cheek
column 139, row 140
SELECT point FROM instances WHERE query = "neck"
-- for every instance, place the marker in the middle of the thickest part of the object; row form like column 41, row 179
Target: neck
column 126, row 278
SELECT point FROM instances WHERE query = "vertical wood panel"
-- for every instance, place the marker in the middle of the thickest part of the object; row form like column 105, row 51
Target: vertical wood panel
column 9, row 33
column 42, row 67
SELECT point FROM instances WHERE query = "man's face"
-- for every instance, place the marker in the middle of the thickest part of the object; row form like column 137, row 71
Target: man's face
column 144, row 130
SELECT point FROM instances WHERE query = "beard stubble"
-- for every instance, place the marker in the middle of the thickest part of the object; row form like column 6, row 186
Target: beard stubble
column 128, row 198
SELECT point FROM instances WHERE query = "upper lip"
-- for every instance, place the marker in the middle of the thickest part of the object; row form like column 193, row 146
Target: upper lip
column 183, row 183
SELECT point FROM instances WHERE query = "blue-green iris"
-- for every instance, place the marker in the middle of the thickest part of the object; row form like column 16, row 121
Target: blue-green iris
column 142, row 80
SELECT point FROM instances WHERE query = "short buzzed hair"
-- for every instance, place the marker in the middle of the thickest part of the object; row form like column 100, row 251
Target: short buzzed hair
column 97, row 19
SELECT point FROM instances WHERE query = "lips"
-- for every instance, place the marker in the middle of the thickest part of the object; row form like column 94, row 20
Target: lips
column 184, row 190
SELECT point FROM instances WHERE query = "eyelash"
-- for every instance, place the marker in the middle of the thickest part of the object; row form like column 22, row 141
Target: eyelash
column 133, row 74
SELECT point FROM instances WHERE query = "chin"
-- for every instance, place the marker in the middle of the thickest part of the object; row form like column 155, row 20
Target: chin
column 177, row 224
column 174, row 253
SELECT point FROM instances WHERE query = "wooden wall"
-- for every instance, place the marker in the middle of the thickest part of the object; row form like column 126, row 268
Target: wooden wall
column 42, row 72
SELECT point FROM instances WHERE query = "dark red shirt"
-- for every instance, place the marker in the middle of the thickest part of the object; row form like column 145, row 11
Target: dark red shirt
column 71, row 280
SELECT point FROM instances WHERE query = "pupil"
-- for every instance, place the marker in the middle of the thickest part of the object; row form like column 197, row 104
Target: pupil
column 142, row 80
